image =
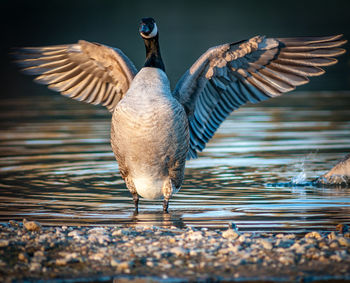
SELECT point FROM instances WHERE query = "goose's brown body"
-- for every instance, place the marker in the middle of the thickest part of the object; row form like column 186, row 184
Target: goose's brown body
column 149, row 136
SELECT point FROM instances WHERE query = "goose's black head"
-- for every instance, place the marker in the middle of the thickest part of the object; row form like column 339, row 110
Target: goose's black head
column 149, row 32
column 148, row 28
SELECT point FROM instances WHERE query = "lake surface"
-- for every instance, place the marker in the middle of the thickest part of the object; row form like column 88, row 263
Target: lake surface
column 57, row 167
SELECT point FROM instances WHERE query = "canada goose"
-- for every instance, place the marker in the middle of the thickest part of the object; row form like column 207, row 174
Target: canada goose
column 154, row 130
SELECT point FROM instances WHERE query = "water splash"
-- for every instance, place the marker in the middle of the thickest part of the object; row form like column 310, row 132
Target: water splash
column 302, row 176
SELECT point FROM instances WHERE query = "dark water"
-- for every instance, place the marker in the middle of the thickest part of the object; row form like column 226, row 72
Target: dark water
column 57, row 167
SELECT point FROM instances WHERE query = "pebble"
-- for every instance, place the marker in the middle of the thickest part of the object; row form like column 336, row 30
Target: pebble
column 73, row 252
column 265, row 244
column 97, row 256
column 332, row 236
column 23, row 257
column 313, row 234
column 230, row 234
column 286, row 260
column 343, row 242
column 115, row 262
column 342, row 228
column 4, row 243
column 31, row 225
column 178, row 251
column 195, row 236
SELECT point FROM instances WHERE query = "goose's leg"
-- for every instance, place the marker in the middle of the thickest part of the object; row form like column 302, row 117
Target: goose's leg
column 165, row 205
column 131, row 187
column 135, row 198
column 167, row 193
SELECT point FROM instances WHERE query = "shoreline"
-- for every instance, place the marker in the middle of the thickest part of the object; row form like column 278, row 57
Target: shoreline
column 31, row 252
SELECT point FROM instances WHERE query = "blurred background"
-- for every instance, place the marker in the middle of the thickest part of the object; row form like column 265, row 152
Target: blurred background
column 187, row 29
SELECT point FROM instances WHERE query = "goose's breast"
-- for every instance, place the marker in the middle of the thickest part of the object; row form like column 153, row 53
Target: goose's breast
column 149, row 132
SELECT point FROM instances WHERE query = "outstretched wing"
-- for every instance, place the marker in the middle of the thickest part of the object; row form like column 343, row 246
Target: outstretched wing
column 230, row 75
column 85, row 71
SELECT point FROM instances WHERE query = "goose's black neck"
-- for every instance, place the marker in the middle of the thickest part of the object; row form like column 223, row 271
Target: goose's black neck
column 153, row 57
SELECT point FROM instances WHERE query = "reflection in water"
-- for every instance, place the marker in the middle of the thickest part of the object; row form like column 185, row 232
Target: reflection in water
column 57, row 167
column 158, row 218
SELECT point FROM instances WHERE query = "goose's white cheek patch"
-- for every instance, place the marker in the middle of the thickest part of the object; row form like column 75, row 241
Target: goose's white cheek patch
column 153, row 33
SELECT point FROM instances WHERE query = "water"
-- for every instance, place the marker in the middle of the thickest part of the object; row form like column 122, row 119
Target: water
column 57, row 167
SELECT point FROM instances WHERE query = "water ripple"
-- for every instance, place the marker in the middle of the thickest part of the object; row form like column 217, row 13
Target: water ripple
column 56, row 166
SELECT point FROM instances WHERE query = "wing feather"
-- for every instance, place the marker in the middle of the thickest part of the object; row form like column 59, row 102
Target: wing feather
column 84, row 71
column 230, row 75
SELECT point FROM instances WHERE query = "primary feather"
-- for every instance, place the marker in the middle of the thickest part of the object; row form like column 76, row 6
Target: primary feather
column 85, row 71
column 230, row 75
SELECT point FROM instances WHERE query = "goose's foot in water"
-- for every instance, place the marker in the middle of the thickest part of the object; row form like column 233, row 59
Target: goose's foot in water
column 135, row 198
column 165, row 205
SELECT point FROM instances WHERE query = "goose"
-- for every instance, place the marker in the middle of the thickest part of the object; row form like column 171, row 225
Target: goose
column 155, row 130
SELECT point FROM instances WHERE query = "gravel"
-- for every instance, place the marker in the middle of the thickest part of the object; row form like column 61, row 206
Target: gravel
column 30, row 251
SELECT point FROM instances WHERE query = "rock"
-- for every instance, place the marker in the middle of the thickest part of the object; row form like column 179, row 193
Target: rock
column 38, row 254
column 167, row 266
column 313, row 234
column 4, row 243
column 178, row 251
column 322, row 245
column 75, row 233
column 290, row 236
column 342, row 228
column 299, row 249
column 343, row 241
column 31, row 225
column 97, row 256
column 23, row 257
column 265, row 244
column 195, row 236
column 193, row 253
column 97, row 230
column 34, row 266
column 334, row 245
column 140, row 249
column 121, row 265
column 230, row 234
column 191, row 265
column 243, row 239
column 61, row 261
column 178, row 262
column 284, row 243
column 100, row 238
column 67, row 258
column 239, row 261
column 117, row 233
column 286, row 260
column 336, row 257
column 332, row 236
column 114, row 262
column 14, row 223
column 279, row 236
column 150, row 263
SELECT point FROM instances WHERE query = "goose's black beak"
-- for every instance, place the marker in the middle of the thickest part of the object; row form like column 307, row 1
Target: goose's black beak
column 144, row 29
